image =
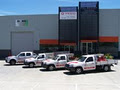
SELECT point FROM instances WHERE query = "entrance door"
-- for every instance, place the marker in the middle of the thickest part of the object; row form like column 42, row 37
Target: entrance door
column 86, row 47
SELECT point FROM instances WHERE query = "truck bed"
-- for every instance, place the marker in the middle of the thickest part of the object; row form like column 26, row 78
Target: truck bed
column 107, row 62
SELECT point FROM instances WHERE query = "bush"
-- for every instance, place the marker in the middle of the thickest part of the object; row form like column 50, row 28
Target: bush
column 108, row 56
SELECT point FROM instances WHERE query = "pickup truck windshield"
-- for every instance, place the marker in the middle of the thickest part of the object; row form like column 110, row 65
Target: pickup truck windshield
column 55, row 57
column 35, row 57
column 82, row 59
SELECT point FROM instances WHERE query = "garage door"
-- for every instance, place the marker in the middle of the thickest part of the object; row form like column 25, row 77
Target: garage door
column 22, row 41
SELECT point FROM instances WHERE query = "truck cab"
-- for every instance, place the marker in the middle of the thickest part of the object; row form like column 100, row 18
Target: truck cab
column 35, row 61
column 57, row 62
column 90, row 62
column 19, row 58
column 87, row 62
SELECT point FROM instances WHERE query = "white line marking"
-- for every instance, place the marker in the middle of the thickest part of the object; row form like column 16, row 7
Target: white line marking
column 34, row 86
column 76, row 86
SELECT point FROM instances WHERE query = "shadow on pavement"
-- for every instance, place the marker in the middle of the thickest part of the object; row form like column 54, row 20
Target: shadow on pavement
column 27, row 67
column 13, row 65
column 45, row 70
column 88, row 72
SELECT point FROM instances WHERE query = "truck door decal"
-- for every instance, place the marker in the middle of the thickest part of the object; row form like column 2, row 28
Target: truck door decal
column 39, row 62
column 89, row 67
column 20, row 61
column 60, row 65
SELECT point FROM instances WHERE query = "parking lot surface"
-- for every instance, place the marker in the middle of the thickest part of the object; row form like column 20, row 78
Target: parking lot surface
column 18, row 77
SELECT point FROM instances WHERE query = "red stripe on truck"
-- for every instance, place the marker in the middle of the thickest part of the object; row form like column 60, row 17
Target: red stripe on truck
column 72, row 62
column 89, row 67
column 60, row 65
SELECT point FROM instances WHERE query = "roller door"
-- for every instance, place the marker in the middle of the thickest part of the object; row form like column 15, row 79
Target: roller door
column 22, row 41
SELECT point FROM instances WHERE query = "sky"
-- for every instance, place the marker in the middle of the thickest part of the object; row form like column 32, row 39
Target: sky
column 30, row 7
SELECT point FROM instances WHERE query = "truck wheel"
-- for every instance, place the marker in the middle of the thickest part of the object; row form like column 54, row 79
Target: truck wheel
column 78, row 70
column 51, row 68
column 109, row 68
column 12, row 62
column 106, row 68
column 31, row 65
column 72, row 71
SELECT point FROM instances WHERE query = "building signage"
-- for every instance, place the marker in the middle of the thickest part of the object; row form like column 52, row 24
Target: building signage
column 21, row 22
column 68, row 13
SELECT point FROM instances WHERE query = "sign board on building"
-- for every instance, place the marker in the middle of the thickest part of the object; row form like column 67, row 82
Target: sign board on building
column 20, row 22
column 68, row 24
column 68, row 13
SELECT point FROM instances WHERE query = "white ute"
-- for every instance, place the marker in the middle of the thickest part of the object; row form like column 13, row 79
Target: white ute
column 19, row 58
column 90, row 62
column 57, row 62
column 36, row 61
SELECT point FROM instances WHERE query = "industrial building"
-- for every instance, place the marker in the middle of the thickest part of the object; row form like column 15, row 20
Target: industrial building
column 45, row 32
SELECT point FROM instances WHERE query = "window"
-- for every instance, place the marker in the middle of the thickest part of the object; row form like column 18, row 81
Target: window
column 48, row 48
column 28, row 54
column 109, row 47
column 34, row 54
column 41, row 56
column 82, row 59
column 62, row 58
column 90, row 59
column 96, row 58
column 22, row 54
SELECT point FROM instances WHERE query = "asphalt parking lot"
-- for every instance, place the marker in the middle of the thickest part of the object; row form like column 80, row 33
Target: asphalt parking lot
column 18, row 77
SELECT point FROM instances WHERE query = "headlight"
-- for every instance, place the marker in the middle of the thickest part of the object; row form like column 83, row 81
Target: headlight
column 6, row 58
column 71, row 65
column 44, row 62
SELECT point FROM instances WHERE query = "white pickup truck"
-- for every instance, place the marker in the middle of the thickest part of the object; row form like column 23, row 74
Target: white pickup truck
column 90, row 62
column 36, row 61
column 19, row 58
column 58, row 62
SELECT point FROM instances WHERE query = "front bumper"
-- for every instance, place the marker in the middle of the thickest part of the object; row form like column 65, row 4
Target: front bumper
column 26, row 63
column 72, row 69
column 44, row 65
column 6, row 60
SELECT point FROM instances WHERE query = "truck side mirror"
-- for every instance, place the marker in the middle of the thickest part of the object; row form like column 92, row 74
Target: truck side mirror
column 86, row 61
column 59, row 59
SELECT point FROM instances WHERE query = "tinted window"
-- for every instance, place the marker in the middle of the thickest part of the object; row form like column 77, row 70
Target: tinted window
column 34, row 54
column 62, row 58
column 22, row 54
column 96, row 57
column 41, row 56
column 88, row 20
column 82, row 59
column 28, row 54
column 90, row 59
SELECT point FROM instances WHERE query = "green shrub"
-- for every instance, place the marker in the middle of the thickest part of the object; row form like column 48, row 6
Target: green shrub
column 108, row 56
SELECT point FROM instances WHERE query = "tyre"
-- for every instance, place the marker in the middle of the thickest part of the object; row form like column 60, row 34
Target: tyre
column 31, row 65
column 78, row 70
column 72, row 71
column 51, row 68
column 99, row 68
column 12, row 62
column 106, row 68
column 109, row 68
